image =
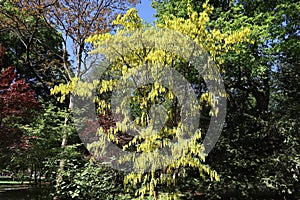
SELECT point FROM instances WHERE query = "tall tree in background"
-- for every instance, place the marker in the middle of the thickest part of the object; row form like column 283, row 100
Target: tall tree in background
column 33, row 47
column 257, row 153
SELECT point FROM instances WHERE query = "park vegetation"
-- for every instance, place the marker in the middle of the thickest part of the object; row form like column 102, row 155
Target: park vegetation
column 53, row 53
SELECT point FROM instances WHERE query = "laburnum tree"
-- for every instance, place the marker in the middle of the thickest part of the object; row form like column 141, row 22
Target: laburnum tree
column 17, row 106
column 154, row 181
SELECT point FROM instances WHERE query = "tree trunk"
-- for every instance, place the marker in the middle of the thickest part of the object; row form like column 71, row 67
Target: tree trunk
column 63, row 145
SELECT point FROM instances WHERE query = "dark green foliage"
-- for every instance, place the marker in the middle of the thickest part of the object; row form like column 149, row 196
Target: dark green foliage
column 257, row 155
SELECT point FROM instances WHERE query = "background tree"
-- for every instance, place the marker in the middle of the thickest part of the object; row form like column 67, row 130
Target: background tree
column 252, row 153
column 43, row 135
column 33, row 47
